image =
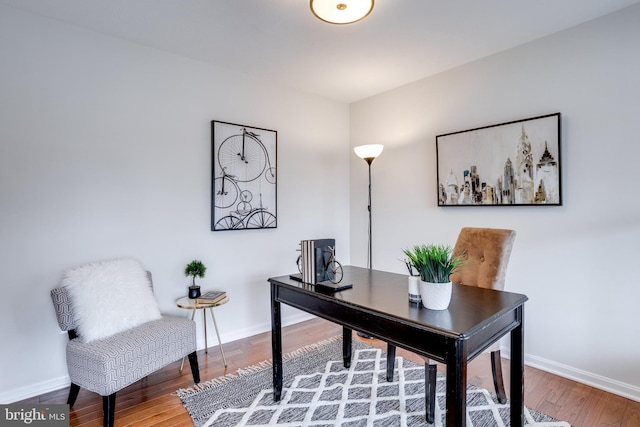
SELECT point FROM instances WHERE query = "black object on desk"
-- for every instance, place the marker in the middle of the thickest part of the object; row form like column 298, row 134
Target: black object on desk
column 326, row 286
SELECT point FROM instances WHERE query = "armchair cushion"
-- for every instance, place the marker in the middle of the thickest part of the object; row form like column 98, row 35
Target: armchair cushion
column 107, row 365
column 109, row 297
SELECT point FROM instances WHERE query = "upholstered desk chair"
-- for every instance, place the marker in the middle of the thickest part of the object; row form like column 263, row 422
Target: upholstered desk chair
column 106, row 361
column 486, row 253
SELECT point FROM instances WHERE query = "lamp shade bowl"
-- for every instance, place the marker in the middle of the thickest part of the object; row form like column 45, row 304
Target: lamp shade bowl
column 370, row 151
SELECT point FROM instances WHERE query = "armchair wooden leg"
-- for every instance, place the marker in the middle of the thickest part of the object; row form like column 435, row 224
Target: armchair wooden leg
column 195, row 370
column 430, row 372
column 109, row 409
column 73, row 394
column 496, row 368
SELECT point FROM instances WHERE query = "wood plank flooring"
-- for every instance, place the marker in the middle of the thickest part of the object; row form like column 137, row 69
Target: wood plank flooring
column 152, row 401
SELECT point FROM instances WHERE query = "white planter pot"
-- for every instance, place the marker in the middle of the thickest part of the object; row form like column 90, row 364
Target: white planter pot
column 435, row 296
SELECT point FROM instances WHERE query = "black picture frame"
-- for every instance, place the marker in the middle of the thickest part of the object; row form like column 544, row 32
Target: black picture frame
column 243, row 177
column 515, row 163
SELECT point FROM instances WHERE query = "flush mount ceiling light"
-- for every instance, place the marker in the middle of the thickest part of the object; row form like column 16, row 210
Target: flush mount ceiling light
column 341, row 11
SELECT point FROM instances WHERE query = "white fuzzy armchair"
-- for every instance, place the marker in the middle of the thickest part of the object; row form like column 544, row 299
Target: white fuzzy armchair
column 116, row 332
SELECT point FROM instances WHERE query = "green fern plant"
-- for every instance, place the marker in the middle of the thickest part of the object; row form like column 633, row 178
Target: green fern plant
column 195, row 269
column 434, row 262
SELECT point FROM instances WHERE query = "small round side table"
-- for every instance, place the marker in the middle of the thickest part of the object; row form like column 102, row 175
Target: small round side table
column 191, row 304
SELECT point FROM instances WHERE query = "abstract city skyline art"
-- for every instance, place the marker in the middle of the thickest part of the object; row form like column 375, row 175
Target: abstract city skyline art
column 243, row 177
column 509, row 164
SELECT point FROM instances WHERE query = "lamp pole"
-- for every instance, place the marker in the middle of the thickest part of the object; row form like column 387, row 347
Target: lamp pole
column 369, row 160
column 368, row 153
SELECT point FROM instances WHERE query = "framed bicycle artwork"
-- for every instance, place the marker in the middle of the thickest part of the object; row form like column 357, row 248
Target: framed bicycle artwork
column 243, row 181
column 515, row 163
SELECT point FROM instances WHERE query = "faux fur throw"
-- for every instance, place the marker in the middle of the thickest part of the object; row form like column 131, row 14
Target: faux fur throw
column 109, row 297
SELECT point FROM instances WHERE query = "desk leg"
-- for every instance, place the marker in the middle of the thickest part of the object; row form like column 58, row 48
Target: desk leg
column 193, row 313
column 517, row 371
column 391, row 361
column 430, row 379
column 347, row 336
column 276, row 344
column 215, row 325
column 457, row 385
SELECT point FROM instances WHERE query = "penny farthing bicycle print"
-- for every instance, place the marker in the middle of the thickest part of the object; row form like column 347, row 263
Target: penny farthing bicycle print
column 243, row 177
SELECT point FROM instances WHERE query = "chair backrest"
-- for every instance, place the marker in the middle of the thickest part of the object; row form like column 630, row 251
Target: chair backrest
column 64, row 308
column 486, row 253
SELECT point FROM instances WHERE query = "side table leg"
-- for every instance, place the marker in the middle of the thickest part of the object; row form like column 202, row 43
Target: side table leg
column 193, row 313
column 215, row 324
column 204, row 320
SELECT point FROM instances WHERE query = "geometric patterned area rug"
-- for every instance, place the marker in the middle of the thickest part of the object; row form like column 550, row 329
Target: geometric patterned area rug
column 320, row 391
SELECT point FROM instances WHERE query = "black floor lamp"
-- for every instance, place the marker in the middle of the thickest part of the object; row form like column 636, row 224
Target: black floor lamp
column 368, row 153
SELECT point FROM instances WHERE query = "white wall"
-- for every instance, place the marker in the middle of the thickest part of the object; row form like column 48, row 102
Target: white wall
column 577, row 263
column 105, row 152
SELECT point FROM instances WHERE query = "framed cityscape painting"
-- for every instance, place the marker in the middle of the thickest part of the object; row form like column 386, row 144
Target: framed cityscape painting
column 244, row 178
column 508, row 164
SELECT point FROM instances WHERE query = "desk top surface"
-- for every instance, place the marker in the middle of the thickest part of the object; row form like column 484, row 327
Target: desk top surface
column 386, row 294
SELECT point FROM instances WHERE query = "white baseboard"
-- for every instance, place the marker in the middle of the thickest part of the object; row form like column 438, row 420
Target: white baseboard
column 609, row 385
column 254, row 330
column 594, row 380
column 32, row 390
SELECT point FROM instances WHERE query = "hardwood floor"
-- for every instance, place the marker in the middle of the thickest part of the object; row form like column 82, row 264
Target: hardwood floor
column 152, row 401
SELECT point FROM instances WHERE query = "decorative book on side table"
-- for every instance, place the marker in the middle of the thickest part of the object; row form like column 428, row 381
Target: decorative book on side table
column 211, row 297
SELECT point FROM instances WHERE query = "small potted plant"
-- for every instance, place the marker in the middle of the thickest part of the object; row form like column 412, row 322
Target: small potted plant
column 195, row 269
column 435, row 264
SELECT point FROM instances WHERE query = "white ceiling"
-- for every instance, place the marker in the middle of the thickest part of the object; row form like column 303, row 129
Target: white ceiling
column 280, row 40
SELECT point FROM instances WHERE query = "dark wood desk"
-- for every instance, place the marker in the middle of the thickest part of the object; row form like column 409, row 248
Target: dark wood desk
column 377, row 305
